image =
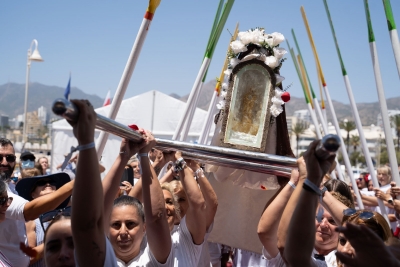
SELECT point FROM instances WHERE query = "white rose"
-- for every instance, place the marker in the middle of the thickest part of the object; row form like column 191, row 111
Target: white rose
column 277, row 101
column 276, row 110
column 228, row 72
column 237, row 47
column 272, row 62
column 269, row 40
column 221, row 104
column 223, row 94
column 234, row 61
column 279, row 52
column 245, row 37
column 257, row 36
column 278, row 38
column 278, row 92
column 224, row 86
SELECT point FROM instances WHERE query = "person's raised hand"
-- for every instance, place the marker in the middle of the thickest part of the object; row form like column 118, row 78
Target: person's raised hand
column 380, row 194
column 369, row 248
column 316, row 167
column 301, row 164
column 83, row 128
column 148, row 143
column 294, row 176
column 129, row 148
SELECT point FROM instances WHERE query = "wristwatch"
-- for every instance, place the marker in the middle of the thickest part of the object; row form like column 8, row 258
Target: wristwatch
column 180, row 165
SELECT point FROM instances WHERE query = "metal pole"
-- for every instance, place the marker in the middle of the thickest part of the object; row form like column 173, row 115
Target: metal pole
column 28, row 66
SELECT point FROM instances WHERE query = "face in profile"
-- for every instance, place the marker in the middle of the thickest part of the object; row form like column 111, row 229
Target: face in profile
column 59, row 246
column 344, row 246
column 170, row 208
column 326, row 237
column 43, row 187
column 127, row 230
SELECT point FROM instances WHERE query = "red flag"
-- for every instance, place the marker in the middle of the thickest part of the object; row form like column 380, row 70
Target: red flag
column 107, row 101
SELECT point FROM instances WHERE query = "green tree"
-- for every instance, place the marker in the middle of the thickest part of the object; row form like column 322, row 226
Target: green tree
column 396, row 124
column 355, row 142
column 348, row 126
column 298, row 129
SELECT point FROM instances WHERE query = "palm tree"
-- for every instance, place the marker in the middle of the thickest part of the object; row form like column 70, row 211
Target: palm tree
column 298, row 129
column 348, row 126
column 355, row 142
column 396, row 124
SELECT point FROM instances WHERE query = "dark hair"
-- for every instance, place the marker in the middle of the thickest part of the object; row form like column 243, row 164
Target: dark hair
column 335, row 185
column 5, row 142
column 3, row 187
column 56, row 219
column 130, row 201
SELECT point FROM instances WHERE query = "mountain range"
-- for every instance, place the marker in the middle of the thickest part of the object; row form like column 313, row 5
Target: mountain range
column 12, row 96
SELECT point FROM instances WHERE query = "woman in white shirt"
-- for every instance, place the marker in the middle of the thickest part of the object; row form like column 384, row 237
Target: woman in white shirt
column 5, row 202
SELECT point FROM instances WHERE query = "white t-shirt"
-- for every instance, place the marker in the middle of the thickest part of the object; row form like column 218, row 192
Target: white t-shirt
column 330, row 260
column 186, row 252
column 13, row 231
column 205, row 259
column 147, row 259
column 244, row 258
column 110, row 259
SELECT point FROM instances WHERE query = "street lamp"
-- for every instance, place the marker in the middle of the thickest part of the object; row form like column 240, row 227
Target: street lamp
column 35, row 56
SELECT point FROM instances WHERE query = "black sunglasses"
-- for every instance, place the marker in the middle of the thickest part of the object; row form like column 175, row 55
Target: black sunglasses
column 362, row 214
column 4, row 200
column 9, row 158
column 43, row 182
column 51, row 215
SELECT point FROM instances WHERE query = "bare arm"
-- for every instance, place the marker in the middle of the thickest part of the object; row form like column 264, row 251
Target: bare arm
column 301, row 232
column 157, row 228
column 195, row 215
column 168, row 176
column 34, row 208
column 112, row 180
column 290, row 206
column 334, row 207
column 269, row 222
column 208, row 192
column 87, row 208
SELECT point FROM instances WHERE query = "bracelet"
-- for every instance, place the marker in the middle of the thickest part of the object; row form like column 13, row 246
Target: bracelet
column 87, row 146
column 199, row 173
column 292, row 185
column 311, row 187
column 142, row 155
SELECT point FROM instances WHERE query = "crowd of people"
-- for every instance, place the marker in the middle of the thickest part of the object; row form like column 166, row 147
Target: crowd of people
column 155, row 208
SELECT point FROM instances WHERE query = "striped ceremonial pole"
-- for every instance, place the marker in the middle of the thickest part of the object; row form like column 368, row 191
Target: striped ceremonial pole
column 318, row 108
column 211, row 109
column 200, row 76
column 335, row 120
column 364, row 145
column 193, row 104
column 382, row 99
column 394, row 37
column 127, row 74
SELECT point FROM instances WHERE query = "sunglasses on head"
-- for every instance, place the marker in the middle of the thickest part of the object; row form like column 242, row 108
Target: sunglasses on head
column 51, row 215
column 4, row 200
column 9, row 158
column 43, row 182
column 362, row 214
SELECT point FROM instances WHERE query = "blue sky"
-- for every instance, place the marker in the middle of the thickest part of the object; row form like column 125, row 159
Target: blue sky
column 93, row 39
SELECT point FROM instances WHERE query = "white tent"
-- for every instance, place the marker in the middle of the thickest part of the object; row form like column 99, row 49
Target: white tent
column 152, row 110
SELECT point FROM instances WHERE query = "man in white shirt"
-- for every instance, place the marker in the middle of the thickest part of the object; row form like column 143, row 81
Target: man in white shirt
column 12, row 230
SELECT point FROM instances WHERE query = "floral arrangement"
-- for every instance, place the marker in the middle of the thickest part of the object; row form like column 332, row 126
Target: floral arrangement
column 269, row 52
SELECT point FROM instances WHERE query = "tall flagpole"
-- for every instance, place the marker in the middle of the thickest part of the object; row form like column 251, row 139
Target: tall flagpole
column 382, row 99
column 127, row 74
column 394, row 37
column 193, row 104
column 364, row 145
column 207, row 123
column 203, row 69
column 318, row 108
column 335, row 121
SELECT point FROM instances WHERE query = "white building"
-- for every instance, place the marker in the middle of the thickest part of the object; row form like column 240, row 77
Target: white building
column 43, row 115
column 303, row 114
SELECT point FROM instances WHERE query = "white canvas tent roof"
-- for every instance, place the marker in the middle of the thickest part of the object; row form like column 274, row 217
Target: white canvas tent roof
column 152, row 110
